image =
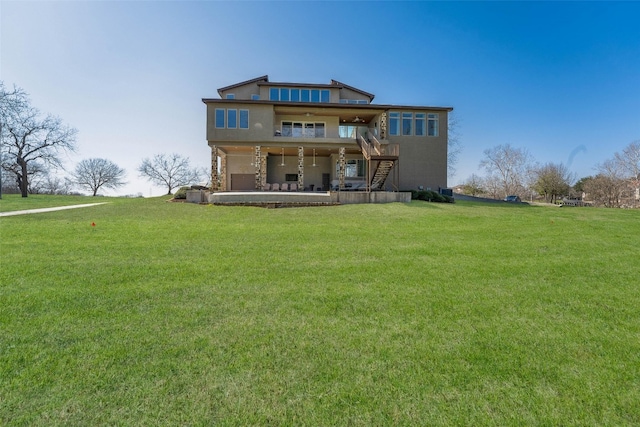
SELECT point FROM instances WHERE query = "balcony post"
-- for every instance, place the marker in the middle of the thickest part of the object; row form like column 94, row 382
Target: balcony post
column 300, row 168
column 257, row 167
column 341, row 166
column 214, row 168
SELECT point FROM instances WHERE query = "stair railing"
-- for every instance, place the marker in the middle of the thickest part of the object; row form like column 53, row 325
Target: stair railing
column 364, row 146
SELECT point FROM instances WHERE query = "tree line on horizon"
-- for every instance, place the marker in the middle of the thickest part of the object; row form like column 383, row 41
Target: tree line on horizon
column 32, row 145
column 513, row 171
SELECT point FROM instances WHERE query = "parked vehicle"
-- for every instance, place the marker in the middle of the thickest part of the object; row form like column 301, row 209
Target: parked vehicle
column 515, row 199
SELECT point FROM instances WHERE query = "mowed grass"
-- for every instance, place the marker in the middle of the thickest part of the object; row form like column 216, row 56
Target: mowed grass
column 397, row 314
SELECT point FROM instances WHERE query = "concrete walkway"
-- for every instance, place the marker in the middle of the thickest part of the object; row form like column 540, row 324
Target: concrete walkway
column 60, row 208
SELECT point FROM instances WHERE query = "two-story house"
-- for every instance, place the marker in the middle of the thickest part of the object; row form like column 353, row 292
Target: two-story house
column 269, row 136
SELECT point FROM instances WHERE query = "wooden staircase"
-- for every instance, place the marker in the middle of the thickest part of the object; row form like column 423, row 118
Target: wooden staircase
column 381, row 173
column 380, row 162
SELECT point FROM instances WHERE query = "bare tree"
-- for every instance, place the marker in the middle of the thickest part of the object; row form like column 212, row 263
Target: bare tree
column 27, row 138
column 509, row 166
column 454, row 145
column 94, row 174
column 473, row 186
column 629, row 162
column 608, row 187
column 10, row 100
column 171, row 171
column 552, row 180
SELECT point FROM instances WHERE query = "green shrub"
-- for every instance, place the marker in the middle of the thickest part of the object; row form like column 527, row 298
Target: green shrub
column 181, row 193
column 430, row 196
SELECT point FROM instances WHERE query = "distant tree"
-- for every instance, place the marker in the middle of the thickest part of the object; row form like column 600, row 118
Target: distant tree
column 609, row 186
column 579, row 186
column 552, row 181
column 170, row 171
column 629, row 163
column 473, row 186
column 508, row 166
column 28, row 138
column 94, row 174
column 454, row 145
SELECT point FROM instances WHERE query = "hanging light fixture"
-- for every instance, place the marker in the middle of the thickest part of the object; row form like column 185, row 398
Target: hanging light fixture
column 282, row 151
column 314, row 158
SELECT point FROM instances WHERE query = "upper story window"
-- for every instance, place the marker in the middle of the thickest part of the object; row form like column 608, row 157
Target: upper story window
column 394, row 123
column 432, row 124
column 244, row 119
column 354, row 101
column 406, row 123
column 232, row 119
column 220, row 122
column 230, row 96
column 303, row 129
column 420, row 124
column 255, row 97
column 299, row 95
column 228, row 118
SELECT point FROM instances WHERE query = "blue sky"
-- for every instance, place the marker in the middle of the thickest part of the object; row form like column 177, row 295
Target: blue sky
column 555, row 78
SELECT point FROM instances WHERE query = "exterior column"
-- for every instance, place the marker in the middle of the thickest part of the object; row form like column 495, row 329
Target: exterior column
column 341, row 166
column 300, row 168
column 223, row 172
column 263, row 170
column 256, row 162
column 214, row 168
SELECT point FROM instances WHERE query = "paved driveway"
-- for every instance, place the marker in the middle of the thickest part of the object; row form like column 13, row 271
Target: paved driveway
column 60, row 208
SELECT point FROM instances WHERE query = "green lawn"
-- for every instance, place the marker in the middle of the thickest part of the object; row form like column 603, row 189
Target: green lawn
column 398, row 314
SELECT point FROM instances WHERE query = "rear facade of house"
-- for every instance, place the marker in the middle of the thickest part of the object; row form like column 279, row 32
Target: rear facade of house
column 268, row 136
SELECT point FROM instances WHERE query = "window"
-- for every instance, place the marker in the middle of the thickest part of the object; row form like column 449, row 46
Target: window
column 244, row 119
column 394, row 123
column 297, row 130
column 232, row 119
column 303, row 130
column 299, row 95
column 291, row 177
column 287, row 128
column 309, row 131
column 230, row 96
column 255, row 97
column 407, row 119
column 220, row 118
column 352, row 168
column 432, row 124
column 420, row 124
column 354, row 101
column 348, row 131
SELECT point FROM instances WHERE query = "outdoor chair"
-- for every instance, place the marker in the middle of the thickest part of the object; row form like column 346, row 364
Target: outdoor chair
column 293, row 187
column 266, row 187
column 284, row 187
column 275, row 187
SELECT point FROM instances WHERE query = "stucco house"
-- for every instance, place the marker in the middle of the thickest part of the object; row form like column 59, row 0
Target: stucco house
column 274, row 136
